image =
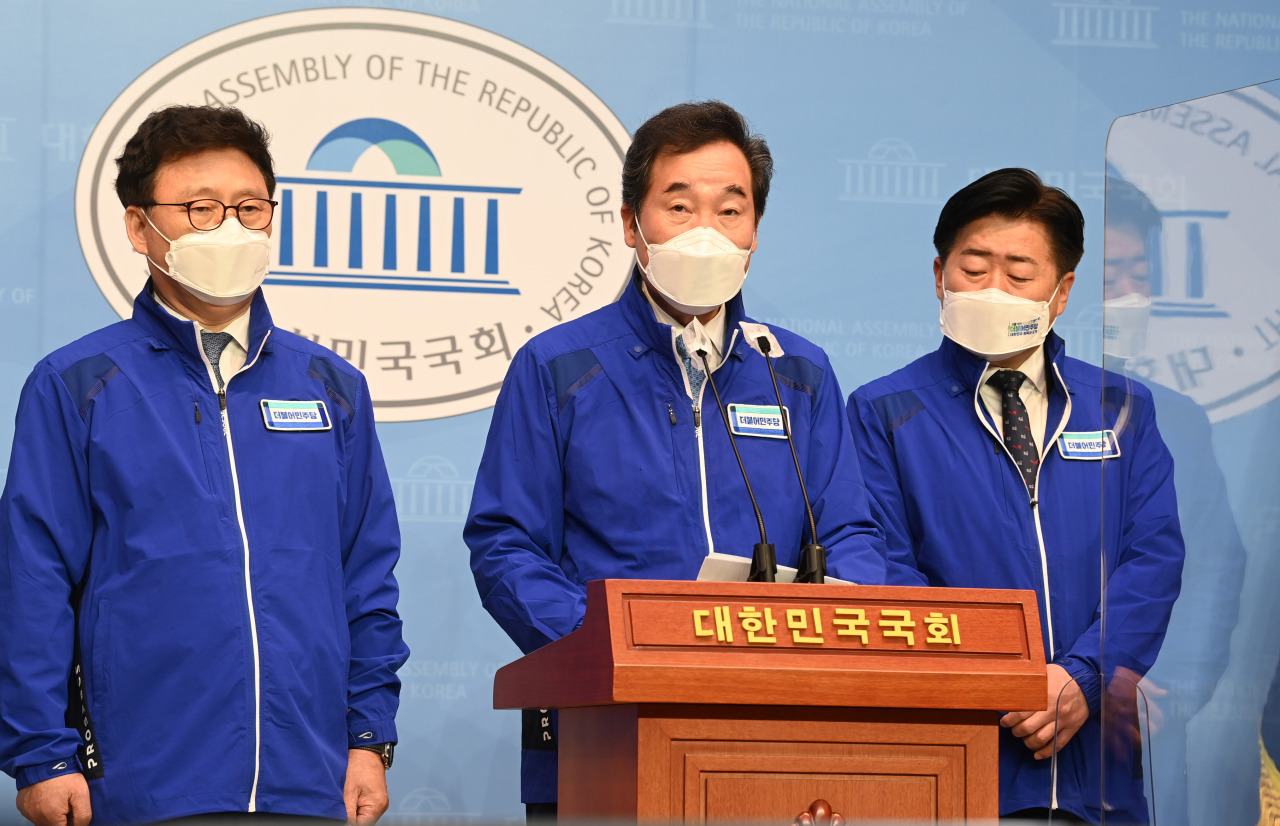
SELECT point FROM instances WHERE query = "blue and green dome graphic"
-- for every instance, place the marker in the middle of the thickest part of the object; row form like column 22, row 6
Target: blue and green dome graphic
column 339, row 150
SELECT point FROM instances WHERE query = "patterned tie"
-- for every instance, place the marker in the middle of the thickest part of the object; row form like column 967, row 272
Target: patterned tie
column 1016, row 426
column 214, row 344
column 693, row 371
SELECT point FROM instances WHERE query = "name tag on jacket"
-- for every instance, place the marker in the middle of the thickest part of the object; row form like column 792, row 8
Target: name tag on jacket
column 1093, row 445
column 756, row 420
column 282, row 415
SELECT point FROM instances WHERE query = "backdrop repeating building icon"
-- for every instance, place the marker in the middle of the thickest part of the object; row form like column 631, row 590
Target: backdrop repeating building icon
column 891, row 173
column 431, row 491
column 1116, row 23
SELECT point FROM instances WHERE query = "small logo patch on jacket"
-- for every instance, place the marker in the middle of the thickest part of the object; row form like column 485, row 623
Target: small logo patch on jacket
column 282, row 415
column 1093, row 445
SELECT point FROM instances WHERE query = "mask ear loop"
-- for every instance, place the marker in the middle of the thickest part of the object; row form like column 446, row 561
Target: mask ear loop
column 162, row 235
column 1048, row 305
column 636, row 220
column 154, row 227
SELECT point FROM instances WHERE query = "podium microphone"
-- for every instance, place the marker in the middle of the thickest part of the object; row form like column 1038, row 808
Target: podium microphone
column 813, row 556
column 764, row 559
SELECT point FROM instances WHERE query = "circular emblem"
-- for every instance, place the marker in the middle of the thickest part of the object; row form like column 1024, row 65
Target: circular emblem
column 445, row 193
column 1211, row 166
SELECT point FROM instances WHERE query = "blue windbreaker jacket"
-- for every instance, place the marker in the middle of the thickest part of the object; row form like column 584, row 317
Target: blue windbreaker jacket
column 957, row 514
column 595, row 468
column 236, row 601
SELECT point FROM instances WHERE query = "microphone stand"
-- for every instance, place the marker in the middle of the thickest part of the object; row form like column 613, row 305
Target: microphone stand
column 812, row 567
column 764, row 558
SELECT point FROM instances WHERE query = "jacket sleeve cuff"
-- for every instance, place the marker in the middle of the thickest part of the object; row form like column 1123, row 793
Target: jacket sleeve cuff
column 30, row 775
column 1090, row 682
column 370, row 732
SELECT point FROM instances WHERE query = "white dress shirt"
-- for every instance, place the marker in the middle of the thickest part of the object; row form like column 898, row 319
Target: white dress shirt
column 1034, row 393
column 236, row 351
column 714, row 328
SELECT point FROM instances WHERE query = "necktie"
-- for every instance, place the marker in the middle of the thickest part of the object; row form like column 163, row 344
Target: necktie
column 693, row 371
column 214, row 344
column 1017, row 430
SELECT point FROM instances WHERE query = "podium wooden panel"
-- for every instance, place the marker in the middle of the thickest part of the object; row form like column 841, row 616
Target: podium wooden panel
column 703, row 701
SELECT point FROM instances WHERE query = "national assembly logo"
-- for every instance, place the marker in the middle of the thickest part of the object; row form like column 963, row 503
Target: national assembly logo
column 445, row 193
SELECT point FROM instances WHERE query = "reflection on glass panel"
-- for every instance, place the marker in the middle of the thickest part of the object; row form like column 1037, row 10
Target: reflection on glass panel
column 1191, row 319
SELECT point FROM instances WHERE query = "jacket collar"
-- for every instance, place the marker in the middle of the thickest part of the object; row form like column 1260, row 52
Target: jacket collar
column 657, row 336
column 179, row 334
column 968, row 368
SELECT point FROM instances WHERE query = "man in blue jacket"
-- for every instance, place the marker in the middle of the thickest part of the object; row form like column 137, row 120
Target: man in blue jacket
column 197, row 604
column 998, row 462
column 607, row 457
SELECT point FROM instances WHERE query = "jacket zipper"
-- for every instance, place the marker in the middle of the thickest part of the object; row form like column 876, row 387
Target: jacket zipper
column 697, row 434
column 244, row 539
column 702, row 469
column 1035, row 513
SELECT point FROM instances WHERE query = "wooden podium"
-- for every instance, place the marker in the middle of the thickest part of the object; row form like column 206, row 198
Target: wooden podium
column 712, row 701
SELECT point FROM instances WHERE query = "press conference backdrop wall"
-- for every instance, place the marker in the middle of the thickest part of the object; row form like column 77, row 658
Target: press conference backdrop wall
column 449, row 185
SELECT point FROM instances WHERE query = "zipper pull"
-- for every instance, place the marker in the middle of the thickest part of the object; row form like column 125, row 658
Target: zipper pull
column 197, row 412
column 222, row 399
column 672, row 412
column 697, row 416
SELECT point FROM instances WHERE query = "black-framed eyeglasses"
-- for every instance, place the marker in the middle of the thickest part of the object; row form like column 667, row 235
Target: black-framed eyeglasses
column 207, row 213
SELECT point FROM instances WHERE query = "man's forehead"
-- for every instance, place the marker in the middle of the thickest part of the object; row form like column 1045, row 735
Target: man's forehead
column 1025, row 232
column 719, row 160
column 210, row 169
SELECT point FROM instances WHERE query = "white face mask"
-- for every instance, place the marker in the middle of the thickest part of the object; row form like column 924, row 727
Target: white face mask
column 697, row 270
column 993, row 324
column 222, row 266
column 1124, row 325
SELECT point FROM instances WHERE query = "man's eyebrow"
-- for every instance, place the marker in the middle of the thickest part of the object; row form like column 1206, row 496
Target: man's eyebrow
column 981, row 253
column 201, row 192
column 684, row 186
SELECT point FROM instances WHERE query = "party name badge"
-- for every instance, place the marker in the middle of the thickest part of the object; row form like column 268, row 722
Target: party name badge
column 756, row 420
column 281, row 415
column 1094, row 445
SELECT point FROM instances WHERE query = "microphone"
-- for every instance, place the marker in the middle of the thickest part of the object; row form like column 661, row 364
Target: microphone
column 764, row 557
column 812, row 566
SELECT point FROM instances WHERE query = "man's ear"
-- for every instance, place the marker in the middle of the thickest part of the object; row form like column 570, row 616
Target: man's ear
column 629, row 225
column 135, row 224
column 1064, row 289
column 937, row 277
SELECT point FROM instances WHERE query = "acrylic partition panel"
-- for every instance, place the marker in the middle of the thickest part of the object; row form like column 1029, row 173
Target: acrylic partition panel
column 1191, row 323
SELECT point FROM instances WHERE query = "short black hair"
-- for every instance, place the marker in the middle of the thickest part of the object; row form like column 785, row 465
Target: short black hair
column 1017, row 194
column 1126, row 205
column 175, row 132
column 686, row 127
